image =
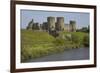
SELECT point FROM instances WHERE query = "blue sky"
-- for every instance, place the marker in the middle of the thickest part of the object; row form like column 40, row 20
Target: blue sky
column 82, row 19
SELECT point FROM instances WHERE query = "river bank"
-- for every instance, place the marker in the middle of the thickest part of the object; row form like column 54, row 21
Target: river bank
column 71, row 54
column 37, row 44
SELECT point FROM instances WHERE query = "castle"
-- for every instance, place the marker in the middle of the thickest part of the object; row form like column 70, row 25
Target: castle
column 53, row 24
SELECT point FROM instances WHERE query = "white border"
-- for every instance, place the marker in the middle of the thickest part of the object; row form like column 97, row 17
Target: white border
column 57, row 63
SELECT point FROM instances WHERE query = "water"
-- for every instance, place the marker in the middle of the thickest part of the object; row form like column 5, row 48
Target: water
column 72, row 54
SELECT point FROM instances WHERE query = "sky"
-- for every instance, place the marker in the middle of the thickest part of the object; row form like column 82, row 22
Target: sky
column 82, row 19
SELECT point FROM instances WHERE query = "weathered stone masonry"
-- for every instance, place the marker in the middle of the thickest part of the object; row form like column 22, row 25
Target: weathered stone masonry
column 53, row 24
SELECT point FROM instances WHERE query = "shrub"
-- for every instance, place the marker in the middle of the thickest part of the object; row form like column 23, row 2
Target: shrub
column 75, row 38
column 86, row 41
column 68, row 37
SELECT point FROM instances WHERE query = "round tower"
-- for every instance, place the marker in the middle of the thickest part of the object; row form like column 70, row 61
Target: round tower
column 60, row 23
column 73, row 26
column 51, row 23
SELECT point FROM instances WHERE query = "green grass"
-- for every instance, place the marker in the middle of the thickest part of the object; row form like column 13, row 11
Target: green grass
column 36, row 44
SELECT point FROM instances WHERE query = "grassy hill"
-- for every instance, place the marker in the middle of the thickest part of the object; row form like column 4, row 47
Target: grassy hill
column 35, row 44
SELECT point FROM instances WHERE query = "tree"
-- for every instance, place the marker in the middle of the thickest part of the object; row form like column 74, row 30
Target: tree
column 84, row 29
column 86, row 40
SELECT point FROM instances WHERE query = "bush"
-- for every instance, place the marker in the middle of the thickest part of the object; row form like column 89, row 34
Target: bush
column 75, row 38
column 86, row 41
column 68, row 37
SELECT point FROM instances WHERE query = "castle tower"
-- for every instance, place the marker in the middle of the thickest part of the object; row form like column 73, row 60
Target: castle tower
column 72, row 26
column 45, row 26
column 60, row 23
column 36, row 26
column 51, row 23
column 30, row 25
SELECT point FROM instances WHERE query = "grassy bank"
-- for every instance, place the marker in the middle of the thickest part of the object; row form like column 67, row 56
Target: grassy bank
column 35, row 44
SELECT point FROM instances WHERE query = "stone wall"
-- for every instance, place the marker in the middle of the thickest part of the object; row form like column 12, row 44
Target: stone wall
column 30, row 25
column 66, row 27
column 53, row 24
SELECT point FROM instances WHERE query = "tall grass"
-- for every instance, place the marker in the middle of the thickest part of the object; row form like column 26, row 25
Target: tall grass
column 36, row 44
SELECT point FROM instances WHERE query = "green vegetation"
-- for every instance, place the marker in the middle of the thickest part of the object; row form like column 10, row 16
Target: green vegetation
column 84, row 29
column 35, row 44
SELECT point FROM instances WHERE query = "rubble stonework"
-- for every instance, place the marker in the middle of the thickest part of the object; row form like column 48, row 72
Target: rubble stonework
column 53, row 24
column 60, row 23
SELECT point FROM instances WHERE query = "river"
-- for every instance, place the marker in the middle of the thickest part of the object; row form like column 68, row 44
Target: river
column 72, row 54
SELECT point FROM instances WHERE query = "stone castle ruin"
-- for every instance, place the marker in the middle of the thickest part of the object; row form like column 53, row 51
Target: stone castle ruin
column 53, row 24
